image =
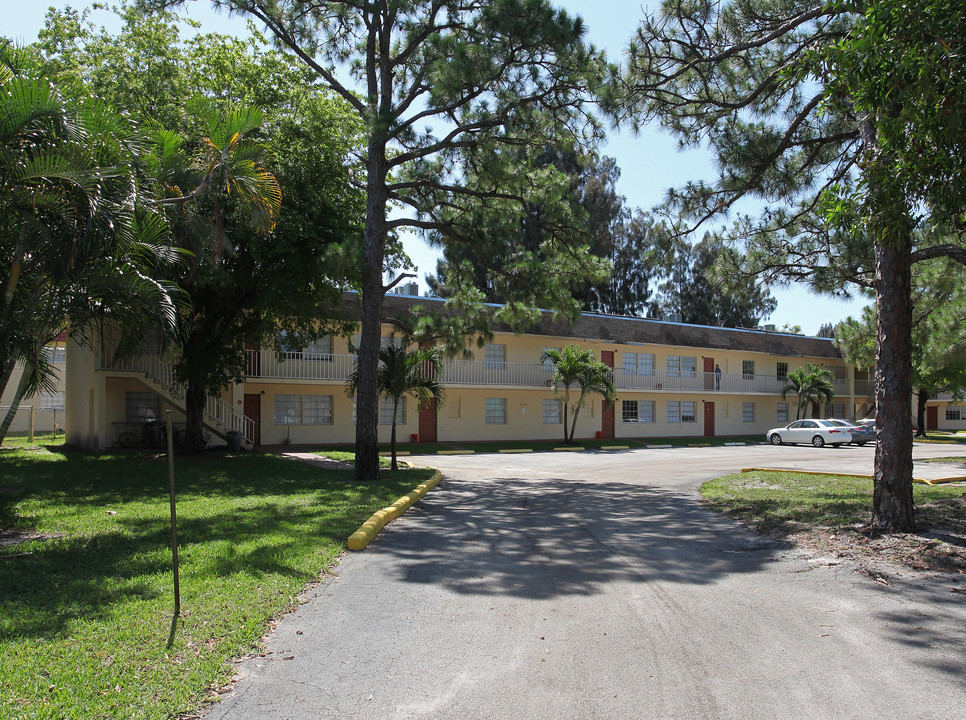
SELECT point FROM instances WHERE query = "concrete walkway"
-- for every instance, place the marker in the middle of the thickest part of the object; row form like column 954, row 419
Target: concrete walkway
column 595, row 585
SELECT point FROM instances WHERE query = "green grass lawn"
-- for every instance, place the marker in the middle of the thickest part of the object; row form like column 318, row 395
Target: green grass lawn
column 785, row 502
column 86, row 615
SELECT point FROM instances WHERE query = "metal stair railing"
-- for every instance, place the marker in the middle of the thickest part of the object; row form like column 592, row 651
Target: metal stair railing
column 217, row 412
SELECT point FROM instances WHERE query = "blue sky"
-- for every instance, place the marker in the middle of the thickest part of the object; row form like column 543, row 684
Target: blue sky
column 650, row 163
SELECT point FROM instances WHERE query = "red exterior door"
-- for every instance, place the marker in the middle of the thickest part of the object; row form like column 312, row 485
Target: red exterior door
column 427, row 423
column 607, row 413
column 709, row 374
column 253, row 411
column 709, row 419
column 932, row 417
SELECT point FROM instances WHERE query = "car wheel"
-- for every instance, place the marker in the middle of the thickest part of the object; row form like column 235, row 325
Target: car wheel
column 837, row 444
column 860, row 444
column 818, row 441
column 776, row 439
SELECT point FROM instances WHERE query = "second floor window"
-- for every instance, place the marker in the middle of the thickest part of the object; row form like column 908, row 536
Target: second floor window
column 782, row 372
column 748, row 369
column 494, row 356
column 637, row 363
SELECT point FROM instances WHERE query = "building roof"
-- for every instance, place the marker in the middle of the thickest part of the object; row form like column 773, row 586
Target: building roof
column 637, row 331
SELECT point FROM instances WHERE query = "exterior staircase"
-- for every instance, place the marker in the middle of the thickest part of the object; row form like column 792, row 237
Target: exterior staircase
column 220, row 418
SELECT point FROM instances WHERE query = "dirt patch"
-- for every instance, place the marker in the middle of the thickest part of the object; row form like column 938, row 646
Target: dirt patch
column 9, row 538
column 938, row 547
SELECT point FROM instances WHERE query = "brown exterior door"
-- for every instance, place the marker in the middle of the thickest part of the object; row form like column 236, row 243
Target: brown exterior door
column 607, row 413
column 709, row 419
column 427, row 423
column 253, row 411
column 932, row 417
column 709, row 375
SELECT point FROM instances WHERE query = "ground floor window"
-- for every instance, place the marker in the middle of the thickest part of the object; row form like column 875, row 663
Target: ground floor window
column 678, row 412
column 385, row 411
column 953, row 412
column 782, row 414
column 318, row 410
column 141, row 407
column 495, row 411
column 287, row 410
column 748, row 412
column 52, row 401
column 637, row 411
column 551, row 412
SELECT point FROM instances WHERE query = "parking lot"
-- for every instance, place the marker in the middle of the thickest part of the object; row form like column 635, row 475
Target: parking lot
column 596, row 585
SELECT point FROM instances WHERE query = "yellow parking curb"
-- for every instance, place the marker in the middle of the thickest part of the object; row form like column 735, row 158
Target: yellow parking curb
column 568, row 449
column 399, row 453
column 508, row 451
column 456, row 452
column 371, row 527
column 699, row 444
column 615, row 447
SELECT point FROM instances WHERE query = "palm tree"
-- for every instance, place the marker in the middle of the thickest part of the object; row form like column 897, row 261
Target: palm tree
column 811, row 383
column 405, row 372
column 79, row 235
column 225, row 169
column 573, row 366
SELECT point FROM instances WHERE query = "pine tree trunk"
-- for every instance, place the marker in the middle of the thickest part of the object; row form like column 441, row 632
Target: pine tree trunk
column 892, row 503
column 373, row 296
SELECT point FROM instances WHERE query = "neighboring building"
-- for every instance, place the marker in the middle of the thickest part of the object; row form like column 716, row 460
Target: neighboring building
column 664, row 373
column 46, row 409
column 943, row 412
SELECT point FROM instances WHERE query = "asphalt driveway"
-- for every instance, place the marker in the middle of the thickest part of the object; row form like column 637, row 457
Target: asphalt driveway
column 595, row 585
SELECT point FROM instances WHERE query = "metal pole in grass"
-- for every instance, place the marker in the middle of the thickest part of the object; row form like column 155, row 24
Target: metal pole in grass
column 174, row 515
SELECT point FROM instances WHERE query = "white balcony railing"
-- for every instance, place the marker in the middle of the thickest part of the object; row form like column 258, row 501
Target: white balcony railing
column 150, row 362
column 336, row 368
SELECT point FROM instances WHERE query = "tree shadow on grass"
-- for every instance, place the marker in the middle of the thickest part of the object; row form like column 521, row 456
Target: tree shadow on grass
column 254, row 518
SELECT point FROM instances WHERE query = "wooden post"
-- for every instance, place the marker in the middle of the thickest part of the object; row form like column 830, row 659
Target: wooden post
column 174, row 514
column 31, row 421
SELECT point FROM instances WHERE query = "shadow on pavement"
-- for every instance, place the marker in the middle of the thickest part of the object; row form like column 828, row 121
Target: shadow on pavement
column 547, row 538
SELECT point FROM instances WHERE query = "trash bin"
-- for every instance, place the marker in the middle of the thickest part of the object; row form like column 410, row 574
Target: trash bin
column 234, row 441
column 414, row 438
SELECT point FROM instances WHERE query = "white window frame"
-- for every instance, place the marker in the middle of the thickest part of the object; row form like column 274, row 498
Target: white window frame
column 287, row 409
column 317, row 410
column 494, row 411
column 781, row 412
column 673, row 366
column 673, row 411
column 385, row 411
column 689, row 411
column 953, row 412
column 747, row 369
column 494, row 356
column 689, row 366
column 781, row 371
column 748, row 412
column 52, row 401
column 547, row 362
column 552, row 412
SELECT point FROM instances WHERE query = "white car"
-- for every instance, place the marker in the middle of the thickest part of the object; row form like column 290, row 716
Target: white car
column 817, row 432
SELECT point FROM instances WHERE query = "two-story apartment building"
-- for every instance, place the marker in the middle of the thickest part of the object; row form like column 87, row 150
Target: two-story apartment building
column 673, row 380
column 45, row 411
